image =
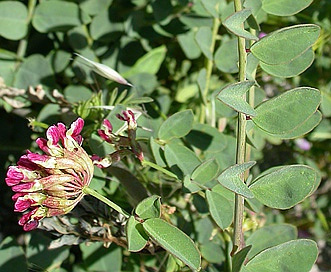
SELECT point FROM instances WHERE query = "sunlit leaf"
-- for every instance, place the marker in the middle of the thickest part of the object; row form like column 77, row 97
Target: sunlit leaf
column 235, row 22
column 230, row 179
column 284, row 187
column 232, row 95
column 292, row 256
column 284, row 45
column 284, row 7
column 174, row 240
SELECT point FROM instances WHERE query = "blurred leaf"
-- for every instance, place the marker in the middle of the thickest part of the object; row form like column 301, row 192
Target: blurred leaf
column 186, row 92
column 13, row 20
column 33, row 71
column 149, row 63
column 12, row 256
column 203, row 37
column 189, row 45
column 7, row 66
column 58, row 16
column 239, row 258
column 39, row 254
column 283, row 187
column 230, row 179
column 284, row 7
column 232, row 95
column 174, row 240
column 326, row 104
column 98, row 258
column 193, row 20
column 235, row 21
column 256, row 6
column 207, row 138
column 205, row 172
column 292, row 256
column 181, row 158
column 59, row 60
column 103, row 29
column 149, row 207
column 286, row 112
column 176, row 126
column 93, row 7
column 212, row 6
column 269, row 236
column 221, row 203
column 293, row 68
column 76, row 93
column 295, row 39
column 226, row 56
column 136, row 236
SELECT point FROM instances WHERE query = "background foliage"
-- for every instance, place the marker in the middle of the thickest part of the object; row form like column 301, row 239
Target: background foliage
column 163, row 48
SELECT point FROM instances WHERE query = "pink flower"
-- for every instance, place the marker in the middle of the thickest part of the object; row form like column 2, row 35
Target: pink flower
column 52, row 183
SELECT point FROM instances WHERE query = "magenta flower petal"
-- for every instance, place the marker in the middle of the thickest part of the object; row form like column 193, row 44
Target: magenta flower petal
column 51, row 184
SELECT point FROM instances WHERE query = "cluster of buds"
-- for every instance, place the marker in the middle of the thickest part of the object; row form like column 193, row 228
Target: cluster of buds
column 51, row 184
column 124, row 145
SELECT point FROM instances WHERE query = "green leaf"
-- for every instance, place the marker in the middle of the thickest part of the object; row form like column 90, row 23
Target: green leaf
column 203, row 37
column 221, row 203
column 284, row 7
column 232, row 95
column 207, row 138
column 37, row 252
column 239, row 258
column 292, row 256
column 205, row 172
column 226, row 56
column 35, row 70
column 188, row 44
column 99, row 258
column 102, row 28
column 326, row 104
column 292, row 68
column 57, row 16
column 92, row 7
column 235, row 22
column 286, row 112
column 176, row 126
column 186, row 92
column 230, row 179
column 149, row 208
column 302, row 129
column 212, row 6
column 136, row 235
column 150, row 63
column 12, row 256
column 269, row 236
column 286, row 44
column 175, row 241
column 181, row 158
column 13, row 20
column 284, row 187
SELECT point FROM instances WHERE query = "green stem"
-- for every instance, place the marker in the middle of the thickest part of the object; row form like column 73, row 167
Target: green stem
column 90, row 191
column 238, row 237
column 209, row 69
column 21, row 49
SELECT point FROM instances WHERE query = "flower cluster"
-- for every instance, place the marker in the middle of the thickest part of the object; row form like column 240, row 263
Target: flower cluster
column 124, row 145
column 51, row 184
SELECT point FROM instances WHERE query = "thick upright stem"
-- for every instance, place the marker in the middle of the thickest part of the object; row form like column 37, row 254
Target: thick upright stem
column 238, row 238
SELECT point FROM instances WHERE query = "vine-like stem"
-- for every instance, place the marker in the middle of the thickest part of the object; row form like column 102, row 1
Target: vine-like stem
column 238, row 237
column 89, row 191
